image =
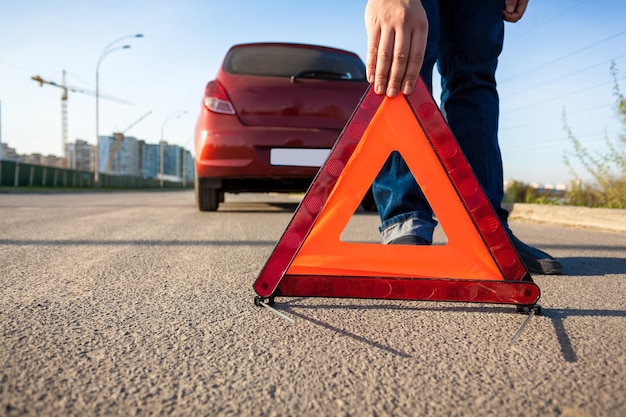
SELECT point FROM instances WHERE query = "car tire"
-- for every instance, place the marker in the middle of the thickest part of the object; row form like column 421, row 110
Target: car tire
column 208, row 199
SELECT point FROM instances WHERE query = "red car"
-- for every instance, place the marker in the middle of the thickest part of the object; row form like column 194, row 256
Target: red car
column 269, row 119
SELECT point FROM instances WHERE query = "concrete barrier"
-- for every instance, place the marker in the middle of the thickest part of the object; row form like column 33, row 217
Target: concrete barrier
column 613, row 220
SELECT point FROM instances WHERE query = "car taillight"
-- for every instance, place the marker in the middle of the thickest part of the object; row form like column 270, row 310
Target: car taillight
column 216, row 99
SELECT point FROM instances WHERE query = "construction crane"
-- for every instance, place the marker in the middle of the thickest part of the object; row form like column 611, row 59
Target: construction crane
column 64, row 89
column 119, row 137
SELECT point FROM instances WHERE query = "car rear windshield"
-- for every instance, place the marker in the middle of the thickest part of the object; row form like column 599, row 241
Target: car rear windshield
column 293, row 61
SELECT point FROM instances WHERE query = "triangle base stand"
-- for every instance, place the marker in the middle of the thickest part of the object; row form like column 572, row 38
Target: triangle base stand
column 523, row 294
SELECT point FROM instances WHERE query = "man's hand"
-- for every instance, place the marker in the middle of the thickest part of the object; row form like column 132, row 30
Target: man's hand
column 396, row 40
column 514, row 10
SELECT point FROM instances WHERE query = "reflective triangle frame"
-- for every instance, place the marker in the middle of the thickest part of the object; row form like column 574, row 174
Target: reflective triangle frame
column 479, row 262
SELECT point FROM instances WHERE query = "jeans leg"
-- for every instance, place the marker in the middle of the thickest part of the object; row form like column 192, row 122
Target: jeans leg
column 471, row 37
column 465, row 39
column 402, row 207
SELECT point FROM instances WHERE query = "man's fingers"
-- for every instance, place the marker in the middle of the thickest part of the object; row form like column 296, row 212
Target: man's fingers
column 402, row 57
column 415, row 60
column 514, row 10
column 398, row 71
column 372, row 55
column 384, row 59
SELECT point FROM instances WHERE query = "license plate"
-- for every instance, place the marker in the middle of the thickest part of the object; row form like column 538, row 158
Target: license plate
column 298, row 157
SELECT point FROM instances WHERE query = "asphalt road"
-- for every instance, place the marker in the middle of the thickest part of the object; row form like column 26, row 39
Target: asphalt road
column 137, row 304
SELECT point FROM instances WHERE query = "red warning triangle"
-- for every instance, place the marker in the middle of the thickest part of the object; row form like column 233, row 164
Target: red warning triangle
column 478, row 263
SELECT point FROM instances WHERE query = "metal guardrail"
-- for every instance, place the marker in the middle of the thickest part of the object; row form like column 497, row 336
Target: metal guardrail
column 20, row 174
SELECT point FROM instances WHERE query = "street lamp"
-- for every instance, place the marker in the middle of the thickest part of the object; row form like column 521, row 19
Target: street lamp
column 162, row 143
column 106, row 51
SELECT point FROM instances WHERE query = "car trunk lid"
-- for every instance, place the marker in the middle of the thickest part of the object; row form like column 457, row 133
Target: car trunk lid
column 293, row 85
column 303, row 103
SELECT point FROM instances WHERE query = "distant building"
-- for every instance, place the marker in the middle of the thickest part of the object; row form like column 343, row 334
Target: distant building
column 560, row 187
column 118, row 155
column 172, row 161
column 176, row 161
column 188, row 165
column 81, row 156
column 39, row 159
column 33, row 158
column 9, row 153
column 149, row 160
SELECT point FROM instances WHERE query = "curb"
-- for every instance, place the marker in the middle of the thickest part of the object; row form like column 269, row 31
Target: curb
column 613, row 220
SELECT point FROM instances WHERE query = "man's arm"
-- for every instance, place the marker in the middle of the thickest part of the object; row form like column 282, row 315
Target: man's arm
column 396, row 40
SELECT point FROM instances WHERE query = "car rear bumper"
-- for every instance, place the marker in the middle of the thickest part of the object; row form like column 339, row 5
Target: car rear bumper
column 257, row 185
column 246, row 153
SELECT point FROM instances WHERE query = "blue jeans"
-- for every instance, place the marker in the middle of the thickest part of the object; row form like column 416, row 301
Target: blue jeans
column 464, row 39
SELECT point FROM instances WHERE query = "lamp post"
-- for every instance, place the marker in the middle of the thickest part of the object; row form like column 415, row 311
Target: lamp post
column 162, row 143
column 106, row 51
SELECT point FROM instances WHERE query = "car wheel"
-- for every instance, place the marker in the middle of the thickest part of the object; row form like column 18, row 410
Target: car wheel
column 208, row 199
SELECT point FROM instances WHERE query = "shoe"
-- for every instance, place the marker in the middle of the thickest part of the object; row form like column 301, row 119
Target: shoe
column 409, row 240
column 536, row 261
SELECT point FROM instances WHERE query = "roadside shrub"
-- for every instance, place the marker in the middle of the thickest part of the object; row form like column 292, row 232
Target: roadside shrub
column 607, row 187
column 520, row 192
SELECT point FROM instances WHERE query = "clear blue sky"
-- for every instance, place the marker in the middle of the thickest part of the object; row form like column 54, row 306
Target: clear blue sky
column 556, row 58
